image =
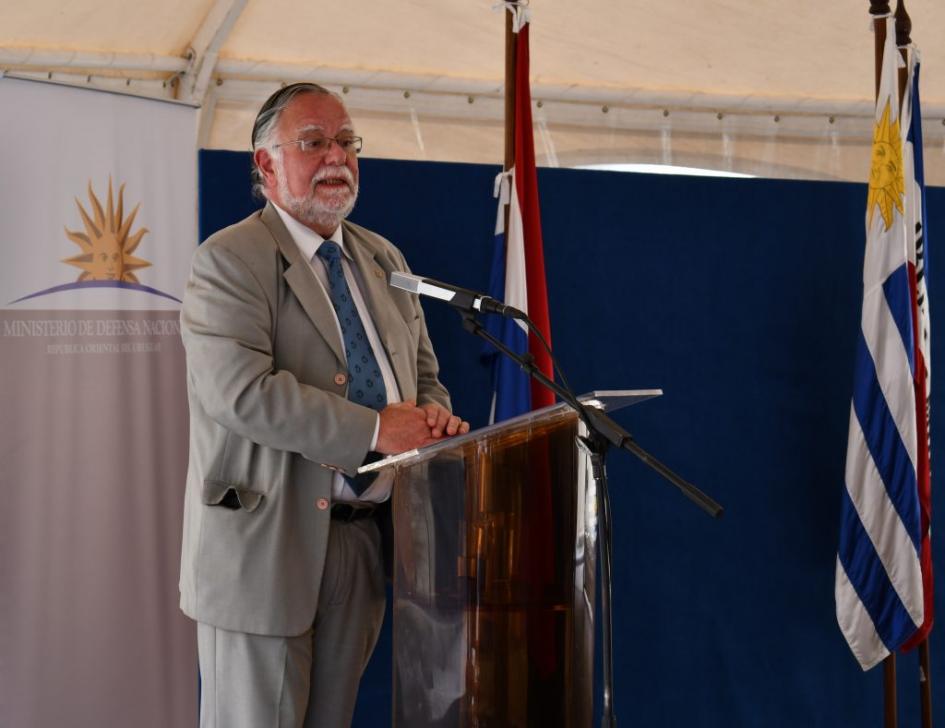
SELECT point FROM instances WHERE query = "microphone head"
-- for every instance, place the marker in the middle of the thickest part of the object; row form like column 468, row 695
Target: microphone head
column 405, row 282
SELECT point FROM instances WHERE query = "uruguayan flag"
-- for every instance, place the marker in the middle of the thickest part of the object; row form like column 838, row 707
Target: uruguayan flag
column 879, row 580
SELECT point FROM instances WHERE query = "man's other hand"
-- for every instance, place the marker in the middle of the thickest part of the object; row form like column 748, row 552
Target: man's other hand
column 442, row 423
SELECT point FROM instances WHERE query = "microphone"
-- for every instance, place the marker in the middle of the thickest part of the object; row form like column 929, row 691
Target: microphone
column 461, row 298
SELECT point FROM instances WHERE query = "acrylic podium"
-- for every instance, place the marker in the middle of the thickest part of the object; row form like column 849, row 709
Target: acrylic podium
column 495, row 537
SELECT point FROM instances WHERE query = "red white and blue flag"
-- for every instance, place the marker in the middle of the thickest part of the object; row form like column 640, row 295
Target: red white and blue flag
column 919, row 268
column 518, row 264
column 880, row 587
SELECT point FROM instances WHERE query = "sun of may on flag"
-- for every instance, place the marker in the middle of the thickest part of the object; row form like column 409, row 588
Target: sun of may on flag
column 879, row 577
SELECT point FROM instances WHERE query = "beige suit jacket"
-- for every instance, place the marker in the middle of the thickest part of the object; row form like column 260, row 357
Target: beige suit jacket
column 269, row 418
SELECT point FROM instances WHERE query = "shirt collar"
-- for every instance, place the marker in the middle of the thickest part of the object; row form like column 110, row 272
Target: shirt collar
column 306, row 239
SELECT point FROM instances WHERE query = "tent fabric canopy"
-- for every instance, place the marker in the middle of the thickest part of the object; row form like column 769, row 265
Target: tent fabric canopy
column 757, row 87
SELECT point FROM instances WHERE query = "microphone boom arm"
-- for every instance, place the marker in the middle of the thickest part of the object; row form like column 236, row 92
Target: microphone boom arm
column 598, row 422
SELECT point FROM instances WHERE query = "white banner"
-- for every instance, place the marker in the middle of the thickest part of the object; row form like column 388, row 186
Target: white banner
column 97, row 227
column 64, row 151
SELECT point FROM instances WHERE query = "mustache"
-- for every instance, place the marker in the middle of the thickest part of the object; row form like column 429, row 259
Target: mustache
column 340, row 172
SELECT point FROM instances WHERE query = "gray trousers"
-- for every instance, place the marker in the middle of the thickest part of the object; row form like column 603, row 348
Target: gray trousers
column 310, row 680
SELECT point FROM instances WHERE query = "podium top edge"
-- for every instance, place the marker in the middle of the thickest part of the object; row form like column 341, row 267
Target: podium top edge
column 614, row 399
column 608, row 400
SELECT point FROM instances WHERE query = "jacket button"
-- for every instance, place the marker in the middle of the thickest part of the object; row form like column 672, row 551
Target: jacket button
column 322, row 504
column 340, row 379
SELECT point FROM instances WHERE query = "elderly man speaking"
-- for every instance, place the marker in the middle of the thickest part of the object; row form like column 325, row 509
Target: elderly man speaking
column 301, row 364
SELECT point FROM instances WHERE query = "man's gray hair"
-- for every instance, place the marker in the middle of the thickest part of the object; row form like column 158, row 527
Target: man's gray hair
column 268, row 118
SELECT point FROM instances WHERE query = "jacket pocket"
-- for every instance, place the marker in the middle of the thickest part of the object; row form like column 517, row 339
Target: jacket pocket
column 230, row 495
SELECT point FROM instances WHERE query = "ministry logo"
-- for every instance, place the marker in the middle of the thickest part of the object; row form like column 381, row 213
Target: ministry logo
column 107, row 248
column 106, row 245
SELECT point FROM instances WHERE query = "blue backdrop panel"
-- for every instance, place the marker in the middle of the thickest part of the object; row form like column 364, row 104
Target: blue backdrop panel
column 741, row 299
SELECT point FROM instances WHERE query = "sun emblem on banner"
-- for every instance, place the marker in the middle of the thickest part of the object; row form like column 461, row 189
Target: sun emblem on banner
column 107, row 243
column 107, row 260
column 887, row 185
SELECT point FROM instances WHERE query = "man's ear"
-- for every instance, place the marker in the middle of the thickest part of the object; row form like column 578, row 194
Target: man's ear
column 265, row 164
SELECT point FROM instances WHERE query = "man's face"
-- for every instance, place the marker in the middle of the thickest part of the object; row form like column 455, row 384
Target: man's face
column 317, row 188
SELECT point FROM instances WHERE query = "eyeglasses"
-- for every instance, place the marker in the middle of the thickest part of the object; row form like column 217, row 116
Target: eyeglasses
column 350, row 145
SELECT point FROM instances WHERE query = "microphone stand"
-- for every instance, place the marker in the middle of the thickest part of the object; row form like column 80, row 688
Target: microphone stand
column 603, row 433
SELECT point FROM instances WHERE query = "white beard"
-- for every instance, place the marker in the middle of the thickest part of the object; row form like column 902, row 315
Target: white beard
column 312, row 210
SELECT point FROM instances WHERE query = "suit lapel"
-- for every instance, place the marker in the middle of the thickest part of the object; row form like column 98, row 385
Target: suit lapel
column 376, row 292
column 304, row 285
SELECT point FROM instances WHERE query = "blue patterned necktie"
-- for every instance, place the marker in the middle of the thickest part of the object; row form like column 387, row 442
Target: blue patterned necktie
column 365, row 382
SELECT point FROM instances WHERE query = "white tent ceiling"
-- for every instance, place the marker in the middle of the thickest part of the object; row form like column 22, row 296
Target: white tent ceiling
column 748, row 85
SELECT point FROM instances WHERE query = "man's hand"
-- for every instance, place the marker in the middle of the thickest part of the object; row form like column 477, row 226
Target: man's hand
column 403, row 427
column 441, row 422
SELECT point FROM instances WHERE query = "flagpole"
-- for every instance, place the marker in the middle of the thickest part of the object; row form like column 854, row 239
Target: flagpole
column 925, row 683
column 903, row 31
column 889, row 691
column 510, row 71
column 880, row 10
column 510, row 37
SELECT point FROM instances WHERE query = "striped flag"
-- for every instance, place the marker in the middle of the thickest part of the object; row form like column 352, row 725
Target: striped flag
column 879, row 586
column 518, row 278
column 518, row 264
column 918, row 268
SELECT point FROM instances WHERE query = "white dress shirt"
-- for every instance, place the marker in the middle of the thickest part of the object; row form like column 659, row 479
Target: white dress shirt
column 308, row 242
